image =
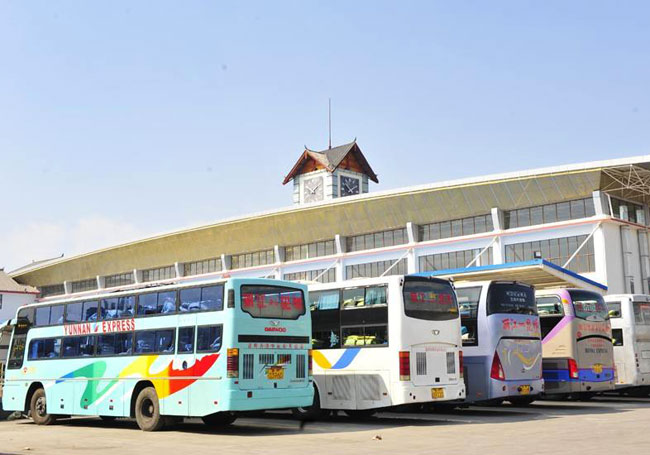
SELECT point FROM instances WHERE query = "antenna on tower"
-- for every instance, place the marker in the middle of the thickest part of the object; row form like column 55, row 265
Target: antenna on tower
column 329, row 113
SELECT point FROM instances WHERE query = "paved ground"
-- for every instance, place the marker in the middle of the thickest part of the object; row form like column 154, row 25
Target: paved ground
column 605, row 425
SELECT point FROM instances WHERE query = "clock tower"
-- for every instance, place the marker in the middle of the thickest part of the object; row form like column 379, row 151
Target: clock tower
column 336, row 172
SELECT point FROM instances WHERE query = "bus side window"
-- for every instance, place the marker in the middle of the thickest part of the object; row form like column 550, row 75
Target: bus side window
column 185, row 340
column 326, row 319
column 468, row 300
column 550, row 312
column 617, row 337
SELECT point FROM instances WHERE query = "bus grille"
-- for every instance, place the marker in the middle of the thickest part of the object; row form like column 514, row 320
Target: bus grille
column 284, row 359
column 267, row 359
column 248, row 362
column 451, row 363
column 300, row 367
column 421, row 363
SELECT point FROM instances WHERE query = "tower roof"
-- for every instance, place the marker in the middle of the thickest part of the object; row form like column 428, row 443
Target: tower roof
column 330, row 159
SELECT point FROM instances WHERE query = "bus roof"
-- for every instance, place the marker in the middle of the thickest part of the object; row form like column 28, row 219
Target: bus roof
column 538, row 272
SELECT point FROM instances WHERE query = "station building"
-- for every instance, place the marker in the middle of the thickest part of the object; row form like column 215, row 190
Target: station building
column 12, row 296
column 589, row 218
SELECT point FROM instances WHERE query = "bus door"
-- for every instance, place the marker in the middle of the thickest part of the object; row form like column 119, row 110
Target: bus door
column 642, row 335
column 5, row 337
column 182, row 363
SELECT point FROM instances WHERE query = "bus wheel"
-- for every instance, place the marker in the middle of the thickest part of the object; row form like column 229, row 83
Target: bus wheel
column 219, row 419
column 38, row 409
column 147, row 410
column 360, row 413
column 521, row 401
column 313, row 412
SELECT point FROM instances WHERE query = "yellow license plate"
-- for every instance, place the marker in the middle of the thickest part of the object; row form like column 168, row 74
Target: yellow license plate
column 275, row 373
column 438, row 392
column 524, row 390
column 598, row 368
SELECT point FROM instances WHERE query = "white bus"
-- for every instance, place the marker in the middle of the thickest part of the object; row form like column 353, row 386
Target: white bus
column 383, row 342
column 630, row 318
column 501, row 342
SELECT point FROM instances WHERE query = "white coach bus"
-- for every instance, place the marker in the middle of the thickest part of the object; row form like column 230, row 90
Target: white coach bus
column 384, row 342
column 630, row 318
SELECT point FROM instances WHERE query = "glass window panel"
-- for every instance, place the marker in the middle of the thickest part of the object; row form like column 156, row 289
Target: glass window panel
column 165, row 341
column 456, row 228
column 445, row 229
column 209, row 338
column 190, row 300
column 536, row 215
column 479, row 224
column 185, row 339
column 148, row 304
column 145, row 342
column 74, row 312
column 212, row 298
column 42, row 316
column 468, row 226
column 167, row 302
column 56, row 314
column 523, row 217
column 577, row 209
column 563, row 211
column 90, row 311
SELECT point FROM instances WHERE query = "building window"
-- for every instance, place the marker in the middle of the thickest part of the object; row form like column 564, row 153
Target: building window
column 120, row 279
column 549, row 213
column 628, row 211
column 310, row 275
column 83, row 285
column 52, row 289
column 557, row 251
column 375, row 269
column 202, row 267
column 376, row 240
column 159, row 273
column 265, row 257
column 454, row 260
column 309, row 250
column 455, row 228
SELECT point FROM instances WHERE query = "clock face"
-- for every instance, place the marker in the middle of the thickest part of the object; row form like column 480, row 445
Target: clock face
column 349, row 186
column 313, row 189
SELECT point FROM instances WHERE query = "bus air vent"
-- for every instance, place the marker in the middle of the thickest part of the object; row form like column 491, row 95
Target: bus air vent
column 248, row 366
column 421, row 363
column 301, row 367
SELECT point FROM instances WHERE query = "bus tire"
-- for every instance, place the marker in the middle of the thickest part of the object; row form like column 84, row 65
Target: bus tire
column 38, row 409
column 360, row 413
column 313, row 412
column 219, row 419
column 521, row 401
column 147, row 410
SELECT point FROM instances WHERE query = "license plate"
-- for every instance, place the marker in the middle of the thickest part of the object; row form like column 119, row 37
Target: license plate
column 275, row 373
column 598, row 368
column 524, row 390
column 438, row 392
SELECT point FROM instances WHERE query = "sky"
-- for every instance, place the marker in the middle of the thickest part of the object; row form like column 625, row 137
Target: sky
column 122, row 119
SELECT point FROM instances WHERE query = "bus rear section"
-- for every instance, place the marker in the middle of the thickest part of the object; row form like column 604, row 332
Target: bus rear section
column 503, row 352
column 269, row 361
column 430, row 356
column 630, row 319
column 578, row 351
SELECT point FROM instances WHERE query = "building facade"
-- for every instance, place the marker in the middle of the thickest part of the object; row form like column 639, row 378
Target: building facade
column 590, row 218
column 13, row 295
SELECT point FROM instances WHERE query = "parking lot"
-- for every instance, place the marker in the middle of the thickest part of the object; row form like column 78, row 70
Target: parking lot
column 605, row 424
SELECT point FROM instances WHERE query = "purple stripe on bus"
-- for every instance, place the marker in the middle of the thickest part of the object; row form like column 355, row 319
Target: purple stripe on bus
column 560, row 325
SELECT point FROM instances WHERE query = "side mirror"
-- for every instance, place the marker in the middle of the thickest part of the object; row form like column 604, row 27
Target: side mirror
column 614, row 314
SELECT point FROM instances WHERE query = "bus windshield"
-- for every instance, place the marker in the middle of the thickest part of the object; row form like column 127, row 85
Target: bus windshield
column 511, row 298
column 430, row 300
column 641, row 313
column 272, row 302
column 589, row 305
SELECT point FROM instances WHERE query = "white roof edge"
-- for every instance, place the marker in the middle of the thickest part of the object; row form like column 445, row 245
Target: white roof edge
column 379, row 194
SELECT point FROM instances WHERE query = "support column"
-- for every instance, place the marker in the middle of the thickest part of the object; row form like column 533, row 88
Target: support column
column 497, row 247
